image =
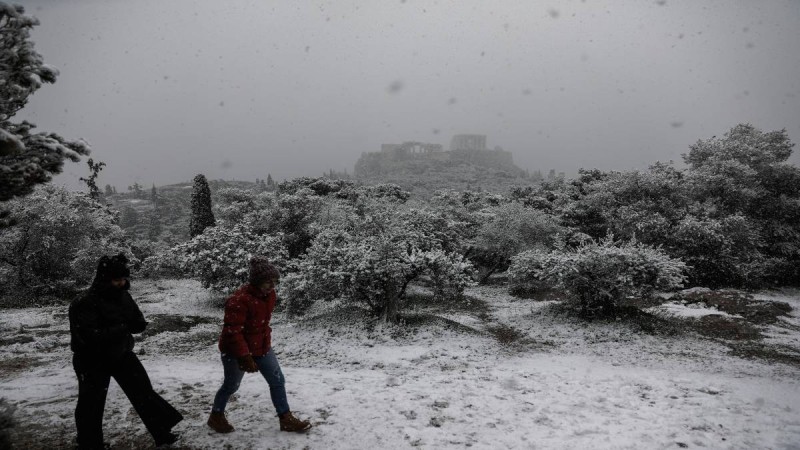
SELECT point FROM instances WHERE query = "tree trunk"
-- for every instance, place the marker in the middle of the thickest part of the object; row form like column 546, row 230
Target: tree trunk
column 489, row 273
column 391, row 306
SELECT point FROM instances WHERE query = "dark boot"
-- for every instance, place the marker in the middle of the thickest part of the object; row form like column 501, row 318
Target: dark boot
column 292, row 423
column 219, row 423
column 164, row 441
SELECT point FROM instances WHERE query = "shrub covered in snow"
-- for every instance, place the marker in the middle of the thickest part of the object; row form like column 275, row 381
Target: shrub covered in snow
column 507, row 230
column 745, row 172
column 289, row 215
column 733, row 216
column 635, row 204
column 718, row 252
column 598, row 275
column 54, row 247
column 317, row 186
column 370, row 256
column 218, row 257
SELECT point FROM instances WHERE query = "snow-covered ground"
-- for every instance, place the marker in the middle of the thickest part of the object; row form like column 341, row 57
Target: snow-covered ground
column 437, row 383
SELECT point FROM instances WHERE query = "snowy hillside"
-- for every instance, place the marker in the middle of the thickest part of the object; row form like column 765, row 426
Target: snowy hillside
column 500, row 372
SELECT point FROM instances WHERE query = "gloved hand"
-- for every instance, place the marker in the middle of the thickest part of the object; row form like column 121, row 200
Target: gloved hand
column 247, row 364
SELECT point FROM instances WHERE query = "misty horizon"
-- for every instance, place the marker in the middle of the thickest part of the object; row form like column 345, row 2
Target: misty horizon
column 238, row 91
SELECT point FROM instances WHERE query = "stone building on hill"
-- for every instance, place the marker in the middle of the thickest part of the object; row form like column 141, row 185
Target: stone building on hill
column 464, row 149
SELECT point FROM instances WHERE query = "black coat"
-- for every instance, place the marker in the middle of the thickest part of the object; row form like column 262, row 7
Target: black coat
column 101, row 322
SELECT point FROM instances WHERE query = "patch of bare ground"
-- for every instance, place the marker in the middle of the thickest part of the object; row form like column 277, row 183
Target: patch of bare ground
column 738, row 303
column 515, row 340
column 33, row 435
column 160, row 323
column 10, row 367
column 417, row 320
column 30, row 434
column 539, row 294
column 425, row 301
column 740, row 325
column 772, row 353
column 721, row 327
column 743, row 323
column 647, row 322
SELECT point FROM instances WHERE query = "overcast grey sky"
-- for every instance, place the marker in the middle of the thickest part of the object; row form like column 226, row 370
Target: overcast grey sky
column 236, row 89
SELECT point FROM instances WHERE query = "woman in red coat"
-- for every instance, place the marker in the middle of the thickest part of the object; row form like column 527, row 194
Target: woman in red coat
column 245, row 344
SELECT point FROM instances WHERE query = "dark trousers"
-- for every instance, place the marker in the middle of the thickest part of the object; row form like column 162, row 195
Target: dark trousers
column 93, row 379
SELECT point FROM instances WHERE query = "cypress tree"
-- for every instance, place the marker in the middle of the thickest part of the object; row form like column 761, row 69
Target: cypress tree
column 202, row 216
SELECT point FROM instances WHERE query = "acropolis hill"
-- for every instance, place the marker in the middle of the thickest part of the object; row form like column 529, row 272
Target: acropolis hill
column 468, row 164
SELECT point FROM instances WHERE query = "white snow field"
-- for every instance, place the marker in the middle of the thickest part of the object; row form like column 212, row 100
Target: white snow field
column 433, row 384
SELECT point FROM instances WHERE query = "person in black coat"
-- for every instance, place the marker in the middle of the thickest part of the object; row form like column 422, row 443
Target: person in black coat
column 101, row 322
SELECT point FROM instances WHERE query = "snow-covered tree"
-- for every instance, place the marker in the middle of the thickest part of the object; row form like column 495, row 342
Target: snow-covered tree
column 290, row 215
column 219, row 256
column 321, row 186
column 27, row 158
column 719, row 252
column 507, row 230
column 54, row 246
column 371, row 253
column 726, row 225
column 746, row 172
column 202, row 216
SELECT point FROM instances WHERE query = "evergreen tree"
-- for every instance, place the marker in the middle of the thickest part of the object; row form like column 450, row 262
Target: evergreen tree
column 154, row 195
column 202, row 217
column 269, row 180
column 26, row 158
column 109, row 190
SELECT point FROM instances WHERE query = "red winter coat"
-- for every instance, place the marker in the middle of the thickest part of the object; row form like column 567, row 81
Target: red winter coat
column 246, row 329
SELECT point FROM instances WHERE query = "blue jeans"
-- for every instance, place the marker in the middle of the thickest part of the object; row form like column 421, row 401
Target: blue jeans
column 269, row 368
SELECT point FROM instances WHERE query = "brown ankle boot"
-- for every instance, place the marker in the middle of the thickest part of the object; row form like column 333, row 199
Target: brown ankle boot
column 219, row 423
column 292, row 423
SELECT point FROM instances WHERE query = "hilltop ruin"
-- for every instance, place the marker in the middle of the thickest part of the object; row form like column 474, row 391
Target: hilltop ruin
column 464, row 149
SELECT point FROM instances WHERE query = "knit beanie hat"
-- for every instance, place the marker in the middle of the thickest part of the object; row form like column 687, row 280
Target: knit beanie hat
column 111, row 267
column 261, row 270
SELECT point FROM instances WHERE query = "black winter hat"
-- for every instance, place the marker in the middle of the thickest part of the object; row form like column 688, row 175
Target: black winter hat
column 111, row 267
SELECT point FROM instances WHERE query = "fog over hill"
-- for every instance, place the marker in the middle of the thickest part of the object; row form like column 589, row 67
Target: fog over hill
column 237, row 90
